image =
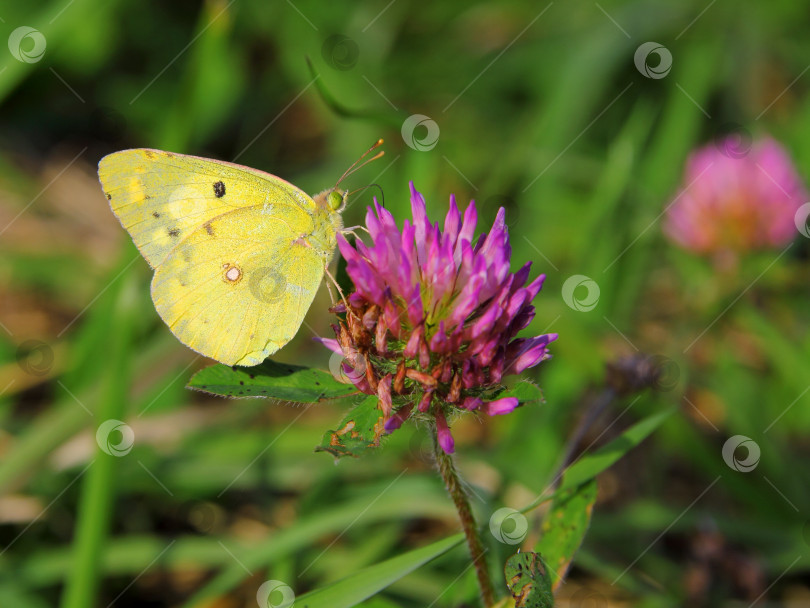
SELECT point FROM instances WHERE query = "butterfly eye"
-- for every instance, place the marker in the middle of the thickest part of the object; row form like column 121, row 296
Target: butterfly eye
column 335, row 200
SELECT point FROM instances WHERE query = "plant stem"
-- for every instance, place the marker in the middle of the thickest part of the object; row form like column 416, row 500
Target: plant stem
column 453, row 484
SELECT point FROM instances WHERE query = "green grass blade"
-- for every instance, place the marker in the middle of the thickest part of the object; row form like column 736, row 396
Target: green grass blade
column 98, row 487
column 590, row 465
column 365, row 583
column 564, row 527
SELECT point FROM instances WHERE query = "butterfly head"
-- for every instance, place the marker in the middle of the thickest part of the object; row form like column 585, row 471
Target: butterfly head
column 332, row 200
column 336, row 200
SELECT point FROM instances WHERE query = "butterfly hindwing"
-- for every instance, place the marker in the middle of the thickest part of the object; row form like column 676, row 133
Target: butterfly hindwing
column 237, row 288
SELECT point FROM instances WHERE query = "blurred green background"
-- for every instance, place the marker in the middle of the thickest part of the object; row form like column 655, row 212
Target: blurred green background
column 537, row 107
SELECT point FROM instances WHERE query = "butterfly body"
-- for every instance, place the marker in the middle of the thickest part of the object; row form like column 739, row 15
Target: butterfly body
column 238, row 253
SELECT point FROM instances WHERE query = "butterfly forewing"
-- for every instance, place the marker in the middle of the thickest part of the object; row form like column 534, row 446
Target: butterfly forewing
column 161, row 197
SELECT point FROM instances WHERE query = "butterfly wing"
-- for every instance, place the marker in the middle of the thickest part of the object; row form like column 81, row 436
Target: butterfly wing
column 161, row 197
column 237, row 289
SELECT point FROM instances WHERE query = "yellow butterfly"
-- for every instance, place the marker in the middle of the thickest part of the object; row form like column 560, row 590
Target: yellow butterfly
column 238, row 253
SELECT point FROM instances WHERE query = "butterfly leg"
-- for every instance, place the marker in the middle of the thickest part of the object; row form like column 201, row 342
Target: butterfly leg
column 337, row 285
column 351, row 230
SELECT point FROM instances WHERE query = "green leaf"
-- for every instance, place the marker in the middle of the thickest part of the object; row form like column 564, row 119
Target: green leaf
column 590, row 465
column 564, row 528
column 366, row 582
column 525, row 391
column 270, row 379
column 528, row 581
column 361, row 429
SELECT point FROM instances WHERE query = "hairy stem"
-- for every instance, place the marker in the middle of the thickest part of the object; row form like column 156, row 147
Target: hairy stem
column 453, row 484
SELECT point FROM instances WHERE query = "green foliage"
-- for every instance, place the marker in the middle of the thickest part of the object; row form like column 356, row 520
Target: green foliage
column 591, row 464
column 564, row 528
column 528, row 580
column 363, row 584
column 360, row 430
column 270, row 379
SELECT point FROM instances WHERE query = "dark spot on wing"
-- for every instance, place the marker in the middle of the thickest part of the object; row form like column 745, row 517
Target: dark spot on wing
column 219, row 189
column 149, row 154
column 146, row 197
column 109, row 197
column 155, row 214
column 174, row 232
column 209, row 229
column 169, row 155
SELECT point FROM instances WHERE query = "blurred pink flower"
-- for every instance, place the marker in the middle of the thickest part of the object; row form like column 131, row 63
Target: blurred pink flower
column 733, row 203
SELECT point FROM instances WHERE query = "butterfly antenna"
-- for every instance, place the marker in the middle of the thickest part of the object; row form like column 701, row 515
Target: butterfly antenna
column 355, row 166
column 382, row 194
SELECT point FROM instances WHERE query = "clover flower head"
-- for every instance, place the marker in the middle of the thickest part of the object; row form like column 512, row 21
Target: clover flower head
column 736, row 202
column 431, row 326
